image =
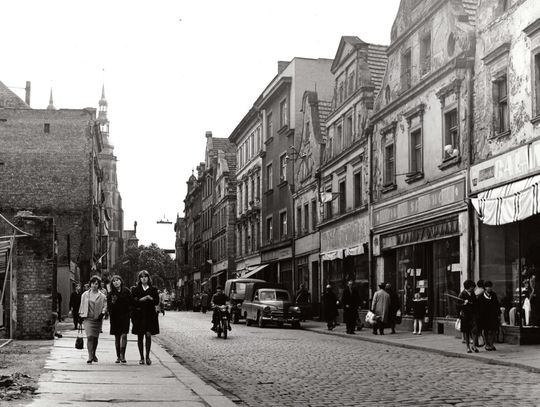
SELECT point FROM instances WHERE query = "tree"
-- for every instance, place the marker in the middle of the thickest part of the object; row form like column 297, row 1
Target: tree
column 150, row 258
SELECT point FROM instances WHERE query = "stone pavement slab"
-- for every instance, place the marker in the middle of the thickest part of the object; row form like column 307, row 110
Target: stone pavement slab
column 70, row 381
column 522, row 356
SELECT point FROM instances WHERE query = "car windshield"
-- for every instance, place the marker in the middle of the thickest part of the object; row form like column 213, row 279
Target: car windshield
column 272, row 295
column 240, row 288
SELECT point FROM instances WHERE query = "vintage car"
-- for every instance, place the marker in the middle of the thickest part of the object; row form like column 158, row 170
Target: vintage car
column 269, row 303
column 235, row 289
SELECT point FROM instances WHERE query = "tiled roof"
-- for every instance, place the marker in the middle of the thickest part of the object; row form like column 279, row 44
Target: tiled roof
column 470, row 7
column 325, row 108
column 377, row 61
column 10, row 99
column 223, row 144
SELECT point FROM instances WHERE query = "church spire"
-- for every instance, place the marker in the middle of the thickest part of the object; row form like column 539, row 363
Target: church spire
column 102, row 114
column 51, row 105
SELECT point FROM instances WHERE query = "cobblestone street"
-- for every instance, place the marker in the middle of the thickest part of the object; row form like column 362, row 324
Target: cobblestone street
column 287, row 367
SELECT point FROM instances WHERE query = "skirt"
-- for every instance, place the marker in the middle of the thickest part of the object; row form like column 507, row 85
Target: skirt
column 92, row 327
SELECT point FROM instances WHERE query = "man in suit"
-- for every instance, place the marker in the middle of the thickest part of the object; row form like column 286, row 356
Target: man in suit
column 350, row 300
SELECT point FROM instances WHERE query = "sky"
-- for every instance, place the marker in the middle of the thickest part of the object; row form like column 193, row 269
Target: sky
column 172, row 71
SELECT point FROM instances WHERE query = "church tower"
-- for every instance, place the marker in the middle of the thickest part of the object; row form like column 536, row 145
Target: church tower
column 102, row 114
column 51, row 104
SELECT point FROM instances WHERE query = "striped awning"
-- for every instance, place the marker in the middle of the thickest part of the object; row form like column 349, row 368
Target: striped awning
column 510, row 203
column 332, row 255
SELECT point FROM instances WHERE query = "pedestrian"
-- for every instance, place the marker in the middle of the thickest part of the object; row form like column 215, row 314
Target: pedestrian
column 330, row 303
column 395, row 306
column 302, row 299
column 478, row 334
column 204, row 301
column 144, row 317
column 489, row 313
column 119, row 306
column 162, row 296
column 74, row 304
column 91, row 311
column 419, row 313
column 59, row 305
column 350, row 300
column 380, row 306
column 468, row 314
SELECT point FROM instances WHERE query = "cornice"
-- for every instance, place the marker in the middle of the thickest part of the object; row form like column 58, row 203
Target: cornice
column 499, row 52
column 532, row 29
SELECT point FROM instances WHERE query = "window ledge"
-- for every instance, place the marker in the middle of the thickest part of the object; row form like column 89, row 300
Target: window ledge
column 388, row 187
column 269, row 140
column 283, row 129
column 449, row 162
column 501, row 134
column 536, row 120
column 269, row 192
column 282, row 183
column 262, row 153
column 415, row 176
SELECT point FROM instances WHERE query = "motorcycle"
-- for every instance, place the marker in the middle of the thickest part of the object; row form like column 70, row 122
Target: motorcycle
column 223, row 325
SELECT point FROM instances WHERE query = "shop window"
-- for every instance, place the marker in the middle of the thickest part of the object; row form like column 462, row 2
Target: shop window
column 500, row 107
column 283, row 113
column 358, row 189
column 389, row 163
column 283, row 224
column 425, row 54
column 415, row 166
column 451, row 134
column 406, row 70
column 269, row 177
column 342, row 197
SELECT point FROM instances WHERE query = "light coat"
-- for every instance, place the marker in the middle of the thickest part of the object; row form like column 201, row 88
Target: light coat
column 101, row 303
column 381, row 305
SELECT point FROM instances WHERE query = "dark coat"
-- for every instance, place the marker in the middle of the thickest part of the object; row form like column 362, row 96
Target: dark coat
column 330, row 305
column 395, row 305
column 119, row 307
column 75, row 302
column 488, row 312
column 144, row 316
column 350, row 298
column 468, row 313
column 419, row 308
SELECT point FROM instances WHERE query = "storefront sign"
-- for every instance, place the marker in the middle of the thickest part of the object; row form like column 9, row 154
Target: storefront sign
column 423, row 202
column 276, row 255
column 422, row 234
column 348, row 235
column 506, row 167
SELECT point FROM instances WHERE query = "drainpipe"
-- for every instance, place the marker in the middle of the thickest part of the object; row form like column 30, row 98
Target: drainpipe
column 370, row 202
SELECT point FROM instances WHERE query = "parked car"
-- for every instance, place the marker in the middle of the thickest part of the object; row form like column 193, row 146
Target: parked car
column 269, row 303
column 235, row 289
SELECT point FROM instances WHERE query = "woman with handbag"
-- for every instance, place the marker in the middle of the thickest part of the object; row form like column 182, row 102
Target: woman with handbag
column 145, row 298
column 93, row 308
column 119, row 304
column 468, row 314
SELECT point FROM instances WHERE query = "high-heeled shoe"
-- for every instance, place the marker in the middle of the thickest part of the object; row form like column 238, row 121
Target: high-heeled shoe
column 148, row 361
column 141, row 362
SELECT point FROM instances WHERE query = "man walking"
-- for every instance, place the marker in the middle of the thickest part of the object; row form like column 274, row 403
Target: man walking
column 350, row 300
column 380, row 306
column 74, row 304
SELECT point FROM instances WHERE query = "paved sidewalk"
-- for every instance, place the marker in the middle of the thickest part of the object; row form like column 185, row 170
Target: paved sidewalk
column 71, row 381
column 524, row 356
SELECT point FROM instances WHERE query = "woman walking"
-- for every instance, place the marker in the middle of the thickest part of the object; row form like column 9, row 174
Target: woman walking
column 119, row 303
column 468, row 314
column 489, row 313
column 145, row 318
column 91, row 312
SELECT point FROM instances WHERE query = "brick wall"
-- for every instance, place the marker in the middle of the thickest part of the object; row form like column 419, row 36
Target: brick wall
column 34, row 274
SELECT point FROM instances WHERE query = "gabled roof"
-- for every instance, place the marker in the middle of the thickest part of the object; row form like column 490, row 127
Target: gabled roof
column 9, row 99
column 223, row 144
column 354, row 41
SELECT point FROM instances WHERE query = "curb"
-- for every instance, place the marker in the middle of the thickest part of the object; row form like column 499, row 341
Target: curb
column 485, row 360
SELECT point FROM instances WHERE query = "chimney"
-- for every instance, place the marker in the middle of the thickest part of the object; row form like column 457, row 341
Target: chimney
column 27, row 93
column 208, row 134
column 281, row 65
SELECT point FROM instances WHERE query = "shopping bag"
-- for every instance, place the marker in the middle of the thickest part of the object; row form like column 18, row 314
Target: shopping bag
column 79, row 341
column 457, row 324
column 371, row 318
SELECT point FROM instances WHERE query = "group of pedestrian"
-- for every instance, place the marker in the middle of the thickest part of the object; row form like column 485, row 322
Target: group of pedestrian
column 201, row 301
column 136, row 305
column 479, row 314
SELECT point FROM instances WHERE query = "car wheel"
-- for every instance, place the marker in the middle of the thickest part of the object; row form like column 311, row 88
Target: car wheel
column 248, row 321
column 260, row 321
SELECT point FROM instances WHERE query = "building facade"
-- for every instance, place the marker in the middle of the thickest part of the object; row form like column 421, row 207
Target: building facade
column 357, row 70
column 504, row 174
column 280, row 106
column 422, row 124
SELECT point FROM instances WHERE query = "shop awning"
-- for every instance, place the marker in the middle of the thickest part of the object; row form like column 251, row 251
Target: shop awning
column 510, row 203
column 354, row 251
column 332, row 255
column 217, row 274
column 253, row 271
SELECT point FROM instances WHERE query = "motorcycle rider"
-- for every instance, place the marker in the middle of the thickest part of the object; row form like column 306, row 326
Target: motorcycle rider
column 219, row 298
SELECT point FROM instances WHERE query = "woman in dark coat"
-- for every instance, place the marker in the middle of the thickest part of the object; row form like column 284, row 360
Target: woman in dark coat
column 330, row 303
column 119, row 304
column 468, row 314
column 489, row 312
column 144, row 318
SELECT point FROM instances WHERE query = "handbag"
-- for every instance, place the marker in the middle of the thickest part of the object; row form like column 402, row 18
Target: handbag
column 426, row 320
column 398, row 317
column 79, row 341
column 457, row 324
column 370, row 318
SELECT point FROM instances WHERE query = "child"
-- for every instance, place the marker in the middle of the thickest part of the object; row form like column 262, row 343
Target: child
column 419, row 312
